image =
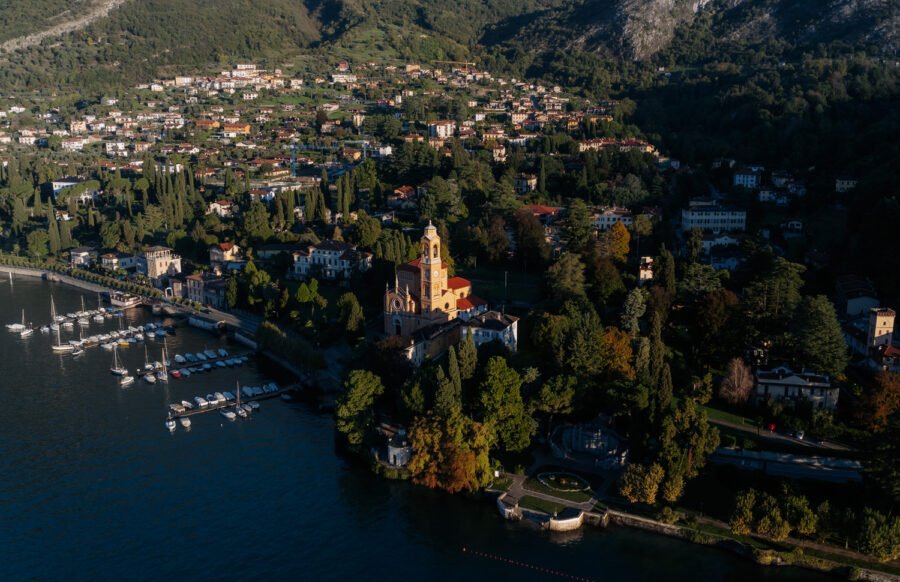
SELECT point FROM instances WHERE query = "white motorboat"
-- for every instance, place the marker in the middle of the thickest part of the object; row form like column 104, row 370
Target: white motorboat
column 229, row 414
column 108, row 346
column 170, row 424
column 246, row 407
column 201, row 401
column 150, row 378
column 78, row 352
column 201, row 356
column 185, row 373
column 45, row 329
column 99, row 318
column 220, row 398
column 116, row 367
column 187, row 405
column 254, row 405
column 210, row 354
column 126, row 380
column 26, row 332
column 68, row 324
column 241, row 412
column 185, row 422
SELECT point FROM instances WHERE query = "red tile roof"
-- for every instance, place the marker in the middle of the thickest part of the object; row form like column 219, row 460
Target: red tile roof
column 458, row 283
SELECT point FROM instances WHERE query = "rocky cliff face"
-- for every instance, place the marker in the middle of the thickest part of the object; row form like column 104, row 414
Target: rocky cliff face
column 638, row 29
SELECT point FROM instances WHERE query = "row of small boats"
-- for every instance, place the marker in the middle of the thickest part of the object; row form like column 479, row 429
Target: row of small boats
column 228, row 403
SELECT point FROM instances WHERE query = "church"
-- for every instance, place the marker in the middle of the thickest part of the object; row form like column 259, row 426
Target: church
column 424, row 296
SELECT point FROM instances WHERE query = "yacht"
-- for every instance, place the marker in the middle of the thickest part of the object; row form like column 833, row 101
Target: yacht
column 220, row 398
column 126, row 380
column 99, row 318
column 68, row 324
column 108, row 346
column 116, row 367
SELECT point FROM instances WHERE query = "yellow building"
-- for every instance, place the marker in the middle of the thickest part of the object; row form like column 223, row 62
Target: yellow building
column 424, row 295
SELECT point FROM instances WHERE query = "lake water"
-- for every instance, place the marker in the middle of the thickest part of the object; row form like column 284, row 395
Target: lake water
column 93, row 486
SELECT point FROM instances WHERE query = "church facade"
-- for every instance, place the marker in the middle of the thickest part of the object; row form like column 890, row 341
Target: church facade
column 424, row 295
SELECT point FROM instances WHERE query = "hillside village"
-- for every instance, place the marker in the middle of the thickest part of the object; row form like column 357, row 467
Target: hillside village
column 483, row 259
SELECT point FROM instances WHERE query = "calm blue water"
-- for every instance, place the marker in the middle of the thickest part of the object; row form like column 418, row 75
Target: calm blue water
column 92, row 486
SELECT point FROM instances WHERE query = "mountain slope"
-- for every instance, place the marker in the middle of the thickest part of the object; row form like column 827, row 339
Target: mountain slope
column 639, row 29
column 139, row 40
column 64, row 22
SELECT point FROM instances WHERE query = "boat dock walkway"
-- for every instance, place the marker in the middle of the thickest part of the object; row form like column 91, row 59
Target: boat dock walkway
column 230, row 404
column 181, row 366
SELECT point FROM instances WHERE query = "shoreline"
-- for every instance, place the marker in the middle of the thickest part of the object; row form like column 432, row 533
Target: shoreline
column 796, row 557
column 772, row 558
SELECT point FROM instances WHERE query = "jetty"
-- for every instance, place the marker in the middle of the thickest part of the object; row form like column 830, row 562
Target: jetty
column 212, row 407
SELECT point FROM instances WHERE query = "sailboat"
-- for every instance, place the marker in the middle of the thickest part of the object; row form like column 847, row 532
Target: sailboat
column 17, row 327
column 163, row 375
column 83, row 315
column 99, row 318
column 60, row 347
column 116, row 367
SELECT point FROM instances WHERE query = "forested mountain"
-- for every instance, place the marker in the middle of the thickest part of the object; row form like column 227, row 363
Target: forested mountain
column 142, row 39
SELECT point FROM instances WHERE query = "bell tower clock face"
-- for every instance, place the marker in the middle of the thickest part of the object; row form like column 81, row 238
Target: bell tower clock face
column 435, row 273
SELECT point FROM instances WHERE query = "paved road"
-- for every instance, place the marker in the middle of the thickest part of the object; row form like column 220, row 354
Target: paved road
column 780, row 437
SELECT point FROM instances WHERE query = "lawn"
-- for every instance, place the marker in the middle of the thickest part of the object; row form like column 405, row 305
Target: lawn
column 535, row 504
column 495, row 284
column 532, row 484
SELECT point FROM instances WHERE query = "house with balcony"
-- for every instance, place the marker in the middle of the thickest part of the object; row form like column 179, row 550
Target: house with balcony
column 331, row 260
column 785, row 385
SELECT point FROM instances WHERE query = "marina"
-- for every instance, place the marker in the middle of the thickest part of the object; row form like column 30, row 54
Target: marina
column 129, row 322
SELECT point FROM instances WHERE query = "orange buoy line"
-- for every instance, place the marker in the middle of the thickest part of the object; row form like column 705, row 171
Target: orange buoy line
column 547, row 571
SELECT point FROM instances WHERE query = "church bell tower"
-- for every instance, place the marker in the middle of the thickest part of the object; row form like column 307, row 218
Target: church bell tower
column 430, row 269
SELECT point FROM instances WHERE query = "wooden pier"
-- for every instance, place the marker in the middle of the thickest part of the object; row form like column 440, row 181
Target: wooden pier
column 230, row 404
